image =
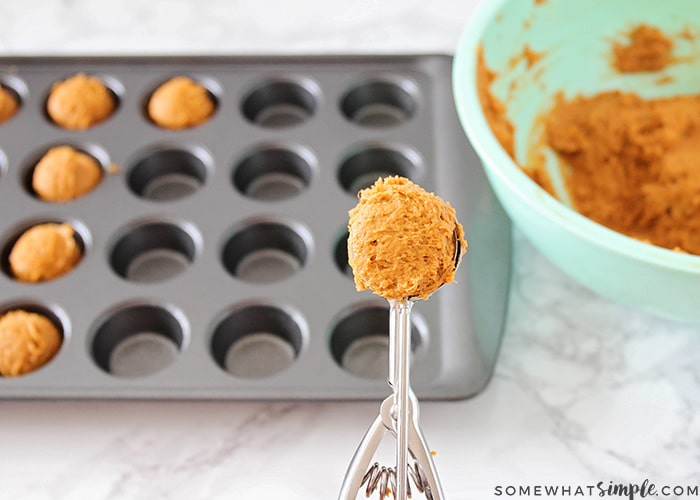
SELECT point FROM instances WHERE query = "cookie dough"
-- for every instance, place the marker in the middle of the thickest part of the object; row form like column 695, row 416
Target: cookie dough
column 8, row 104
column 80, row 102
column 64, row 174
column 403, row 240
column 44, row 252
column 27, row 342
column 180, row 103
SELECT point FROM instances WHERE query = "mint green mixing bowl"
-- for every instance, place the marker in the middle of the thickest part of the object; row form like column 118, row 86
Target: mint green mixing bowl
column 576, row 39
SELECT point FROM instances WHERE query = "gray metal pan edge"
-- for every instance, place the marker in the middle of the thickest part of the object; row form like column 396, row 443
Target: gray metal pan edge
column 341, row 144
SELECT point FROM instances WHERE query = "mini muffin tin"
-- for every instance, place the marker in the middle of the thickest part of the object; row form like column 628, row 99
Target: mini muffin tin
column 215, row 261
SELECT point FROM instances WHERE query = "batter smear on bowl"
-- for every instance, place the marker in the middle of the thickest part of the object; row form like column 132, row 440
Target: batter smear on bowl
column 648, row 50
column 494, row 109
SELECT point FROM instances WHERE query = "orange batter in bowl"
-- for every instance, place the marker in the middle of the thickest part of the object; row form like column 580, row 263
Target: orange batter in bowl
column 627, row 163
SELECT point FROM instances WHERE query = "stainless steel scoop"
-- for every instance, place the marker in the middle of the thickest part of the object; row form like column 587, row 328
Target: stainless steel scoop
column 398, row 416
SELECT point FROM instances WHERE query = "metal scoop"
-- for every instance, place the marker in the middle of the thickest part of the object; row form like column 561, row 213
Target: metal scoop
column 398, row 415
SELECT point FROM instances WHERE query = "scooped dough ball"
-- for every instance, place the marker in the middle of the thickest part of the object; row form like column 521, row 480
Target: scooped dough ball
column 8, row 104
column 403, row 240
column 27, row 342
column 80, row 102
column 64, row 174
column 180, row 103
column 44, row 252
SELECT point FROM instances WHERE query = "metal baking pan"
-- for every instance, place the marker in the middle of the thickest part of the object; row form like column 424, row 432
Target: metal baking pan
column 214, row 258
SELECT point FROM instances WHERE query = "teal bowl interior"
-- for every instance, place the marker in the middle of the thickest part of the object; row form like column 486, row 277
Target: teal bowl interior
column 575, row 40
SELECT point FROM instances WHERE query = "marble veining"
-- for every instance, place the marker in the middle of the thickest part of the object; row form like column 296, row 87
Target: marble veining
column 585, row 390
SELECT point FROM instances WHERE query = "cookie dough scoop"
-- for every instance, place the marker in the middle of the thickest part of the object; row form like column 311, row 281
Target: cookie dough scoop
column 404, row 243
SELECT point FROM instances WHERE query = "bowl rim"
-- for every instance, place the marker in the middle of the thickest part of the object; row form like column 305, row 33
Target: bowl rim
column 499, row 163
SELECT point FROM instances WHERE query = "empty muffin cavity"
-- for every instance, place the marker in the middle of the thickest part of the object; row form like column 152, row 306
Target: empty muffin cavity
column 364, row 164
column 169, row 173
column 281, row 102
column 359, row 340
column 380, row 102
column 137, row 340
column 266, row 250
column 258, row 340
column 154, row 251
column 274, row 172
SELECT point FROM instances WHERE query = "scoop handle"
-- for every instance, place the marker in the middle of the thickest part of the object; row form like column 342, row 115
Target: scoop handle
column 399, row 380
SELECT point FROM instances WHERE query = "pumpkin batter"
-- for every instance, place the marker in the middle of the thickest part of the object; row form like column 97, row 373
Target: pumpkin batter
column 80, row 102
column 403, row 240
column 628, row 163
column 648, row 49
column 64, row 174
column 44, row 252
column 8, row 104
column 180, row 103
column 633, row 164
column 493, row 108
column 27, row 342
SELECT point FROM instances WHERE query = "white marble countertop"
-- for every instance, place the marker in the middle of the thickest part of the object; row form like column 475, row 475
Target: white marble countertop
column 584, row 391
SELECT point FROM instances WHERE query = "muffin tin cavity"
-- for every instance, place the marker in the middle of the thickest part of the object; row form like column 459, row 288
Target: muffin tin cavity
column 364, row 164
column 212, row 89
column 93, row 150
column 359, row 341
column 80, row 233
column 274, row 172
column 266, row 251
column 3, row 164
column 380, row 102
column 169, row 173
column 258, row 340
column 17, row 89
column 138, row 340
column 154, row 251
column 281, row 102
column 340, row 254
column 54, row 314
column 214, row 257
column 114, row 88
